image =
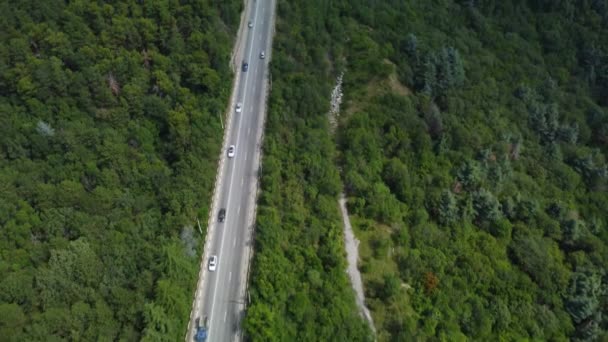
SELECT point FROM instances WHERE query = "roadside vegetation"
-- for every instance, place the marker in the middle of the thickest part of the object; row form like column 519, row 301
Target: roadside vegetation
column 109, row 135
column 299, row 288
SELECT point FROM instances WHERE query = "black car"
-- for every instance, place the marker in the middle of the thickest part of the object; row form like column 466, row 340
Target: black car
column 245, row 66
column 222, row 215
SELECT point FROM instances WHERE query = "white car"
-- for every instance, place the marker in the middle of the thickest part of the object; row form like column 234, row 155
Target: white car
column 239, row 107
column 250, row 24
column 213, row 263
column 262, row 55
column 231, row 151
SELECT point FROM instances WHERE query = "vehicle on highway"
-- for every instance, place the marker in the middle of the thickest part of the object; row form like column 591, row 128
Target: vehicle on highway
column 245, row 66
column 221, row 216
column 201, row 330
column 213, row 263
column 262, row 55
column 231, row 151
column 239, row 107
column 250, row 24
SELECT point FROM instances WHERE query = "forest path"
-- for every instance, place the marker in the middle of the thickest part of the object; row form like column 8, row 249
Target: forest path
column 351, row 244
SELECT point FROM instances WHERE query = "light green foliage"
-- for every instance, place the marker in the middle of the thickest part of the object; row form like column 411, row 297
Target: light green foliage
column 108, row 148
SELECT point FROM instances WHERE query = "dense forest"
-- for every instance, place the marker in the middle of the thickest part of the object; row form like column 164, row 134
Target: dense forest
column 109, row 137
column 473, row 150
column 472, row 147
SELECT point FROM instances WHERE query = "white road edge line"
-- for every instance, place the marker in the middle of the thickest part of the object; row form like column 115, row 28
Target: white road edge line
column 230, row 189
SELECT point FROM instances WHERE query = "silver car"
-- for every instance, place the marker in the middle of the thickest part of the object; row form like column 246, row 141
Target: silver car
column 213, row 263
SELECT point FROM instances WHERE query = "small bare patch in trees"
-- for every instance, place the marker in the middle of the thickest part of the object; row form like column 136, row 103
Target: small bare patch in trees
column 147, row 58
column 457, row 187
column 430, row 282
column 113, row 83
column 45, row 129
column 336, row 101
column 187, row 237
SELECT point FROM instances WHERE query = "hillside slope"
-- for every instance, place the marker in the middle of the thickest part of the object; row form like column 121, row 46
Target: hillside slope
column 480, row 197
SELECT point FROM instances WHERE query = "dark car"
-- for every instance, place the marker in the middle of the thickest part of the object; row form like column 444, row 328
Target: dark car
column 222, row 215
column 245, row 66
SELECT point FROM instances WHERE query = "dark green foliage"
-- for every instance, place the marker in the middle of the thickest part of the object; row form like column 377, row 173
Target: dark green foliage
column 448, row 208
column 440, row 71
column 469, row 175
column 583, row 302
column 571, row 231
column 486, row 206
column 108, row 143
column 391, row 286
column 411, row 45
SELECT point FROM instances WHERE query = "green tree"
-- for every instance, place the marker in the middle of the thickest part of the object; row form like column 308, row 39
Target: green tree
column 448, row 208
column 12, row 320
column 486, row 206
column 583, row 301
column 469, row 175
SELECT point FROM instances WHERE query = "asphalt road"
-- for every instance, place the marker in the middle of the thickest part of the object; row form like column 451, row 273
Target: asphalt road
column 220, row 295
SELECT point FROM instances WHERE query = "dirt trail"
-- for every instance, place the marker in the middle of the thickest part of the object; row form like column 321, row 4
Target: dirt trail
column 351, row 245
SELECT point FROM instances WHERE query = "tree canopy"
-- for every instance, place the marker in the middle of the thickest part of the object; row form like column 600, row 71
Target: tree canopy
column 109, row 137
column 473, row 147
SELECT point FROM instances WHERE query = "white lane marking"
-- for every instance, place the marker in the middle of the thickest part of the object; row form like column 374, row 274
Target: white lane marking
column 225, row 315
column 242, row 181
column 230, row 277
column 249, row 131
column 238, row 210
column 234, row 242
column 238, row 123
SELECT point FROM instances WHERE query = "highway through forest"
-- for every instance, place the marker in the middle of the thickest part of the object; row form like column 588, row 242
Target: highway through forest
column 221, row 294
